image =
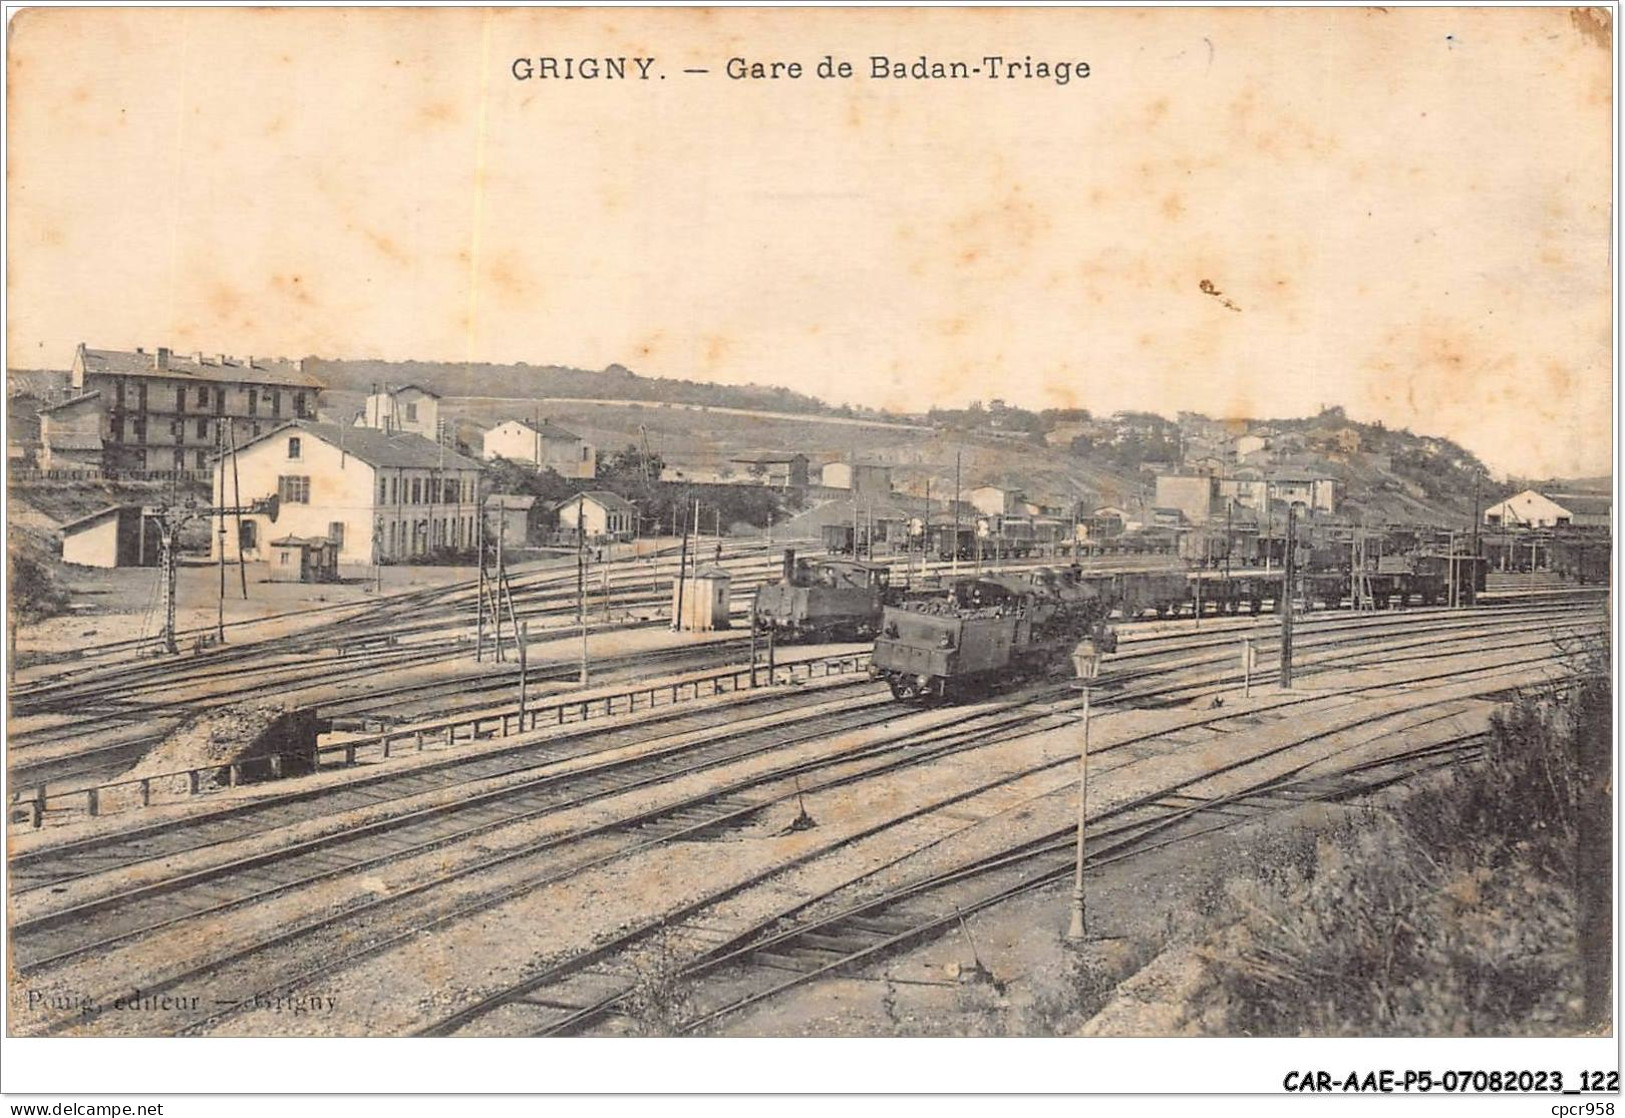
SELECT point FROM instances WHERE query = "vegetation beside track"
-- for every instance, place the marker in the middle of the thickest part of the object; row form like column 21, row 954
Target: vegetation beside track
column 1474, row 902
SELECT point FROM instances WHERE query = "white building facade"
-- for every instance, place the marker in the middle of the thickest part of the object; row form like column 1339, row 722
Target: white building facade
column 546, row 446
column 408, row 408
column 379, row 497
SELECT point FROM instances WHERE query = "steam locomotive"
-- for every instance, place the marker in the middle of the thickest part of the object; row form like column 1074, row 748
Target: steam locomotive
column 991, row 630
column 824, row 599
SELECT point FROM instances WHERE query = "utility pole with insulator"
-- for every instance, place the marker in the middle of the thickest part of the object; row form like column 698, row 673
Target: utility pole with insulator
column 1289, row 572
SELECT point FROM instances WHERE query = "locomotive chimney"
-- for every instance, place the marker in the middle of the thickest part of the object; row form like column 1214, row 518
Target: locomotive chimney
column 789, row 563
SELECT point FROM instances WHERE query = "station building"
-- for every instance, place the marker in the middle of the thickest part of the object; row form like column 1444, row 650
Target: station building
column 376, row 496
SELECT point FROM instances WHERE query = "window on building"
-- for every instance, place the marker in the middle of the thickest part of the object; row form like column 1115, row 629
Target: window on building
column 293, row 490
column 139, row 426
column 253, row 400
column 395, row 490
column 202, row 397
column 180, row 397
column 276, row 404
column 335, row 533
column 220, row 402
column 411, row 413
column 248, row 535
column 284, row 557
column 202, row 459
column 450, row 490
column 293, row 446
column 417, row 491
column 118, row 393
column 299, row 404
column 203, row 428
column 180, row 460
column 383, row 490
column 141, row 397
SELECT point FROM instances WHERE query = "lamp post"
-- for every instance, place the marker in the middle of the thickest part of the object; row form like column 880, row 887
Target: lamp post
column 1086, row 661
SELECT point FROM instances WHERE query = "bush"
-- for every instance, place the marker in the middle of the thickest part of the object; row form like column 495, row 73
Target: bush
column 34, row 591
column 1460, row 913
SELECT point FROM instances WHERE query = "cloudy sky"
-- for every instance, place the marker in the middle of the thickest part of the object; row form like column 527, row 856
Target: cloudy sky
column 1237, row 212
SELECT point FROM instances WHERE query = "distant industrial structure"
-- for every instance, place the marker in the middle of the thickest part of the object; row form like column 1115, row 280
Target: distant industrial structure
column 1531, row 509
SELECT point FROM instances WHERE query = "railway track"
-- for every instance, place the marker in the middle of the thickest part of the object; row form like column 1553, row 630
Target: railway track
column 858, row 932
column 707, row 807
column 780, row 954
column 53, row 865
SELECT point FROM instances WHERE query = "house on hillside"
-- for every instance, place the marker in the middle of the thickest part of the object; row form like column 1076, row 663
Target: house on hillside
column 996, row 500
column 405, row 408
column 864, row 479
column 1194, row 496
column 1531, row 509
column 377, row 496
column 71, row 434
column 164, row 411
column 543, row 444
column 605, row 515
column 785, row 471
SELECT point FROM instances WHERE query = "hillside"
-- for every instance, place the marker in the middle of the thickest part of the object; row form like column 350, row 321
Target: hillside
column 1056, row 457
column 522, row 381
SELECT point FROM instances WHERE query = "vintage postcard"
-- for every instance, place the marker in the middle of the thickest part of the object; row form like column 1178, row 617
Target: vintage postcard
column 731, row 522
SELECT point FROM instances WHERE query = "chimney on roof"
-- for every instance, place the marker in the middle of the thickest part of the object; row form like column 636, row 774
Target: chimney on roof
column 160, row 359
column 198, row 357
column 220, row 359
column 138, row 349
column 300, row 364
column 248, row 362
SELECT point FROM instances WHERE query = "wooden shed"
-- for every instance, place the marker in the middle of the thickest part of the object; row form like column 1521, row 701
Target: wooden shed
column 114, row 537
column 295, row 558
column 705, row 600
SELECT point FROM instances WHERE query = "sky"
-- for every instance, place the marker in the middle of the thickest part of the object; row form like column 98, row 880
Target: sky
column 1239, row 212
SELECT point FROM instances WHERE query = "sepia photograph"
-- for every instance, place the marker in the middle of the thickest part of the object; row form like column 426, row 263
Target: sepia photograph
column 1027, row 523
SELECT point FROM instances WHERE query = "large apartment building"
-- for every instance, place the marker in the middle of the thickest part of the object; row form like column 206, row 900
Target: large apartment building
column 164, row 411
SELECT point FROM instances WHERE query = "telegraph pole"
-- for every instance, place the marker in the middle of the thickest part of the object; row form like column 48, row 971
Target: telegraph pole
column 581, row 579
column 954, row 569
column 1288, row 572
column 220, row 538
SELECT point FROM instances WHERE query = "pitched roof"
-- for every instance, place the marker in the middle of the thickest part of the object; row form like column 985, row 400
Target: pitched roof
column 547, row 429
column 610, row 502
column 399, row 449
column 391, row 389
column 511, row 501
column 73, row 403
column 183, row 366
column 95, row 517
column 1584, row 504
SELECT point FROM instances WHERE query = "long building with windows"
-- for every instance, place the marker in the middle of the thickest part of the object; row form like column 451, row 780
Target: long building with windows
column 379, row 496
column 162, row 411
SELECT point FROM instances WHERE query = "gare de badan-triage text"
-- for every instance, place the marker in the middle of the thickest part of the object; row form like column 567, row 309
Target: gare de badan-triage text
column 920, row 68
